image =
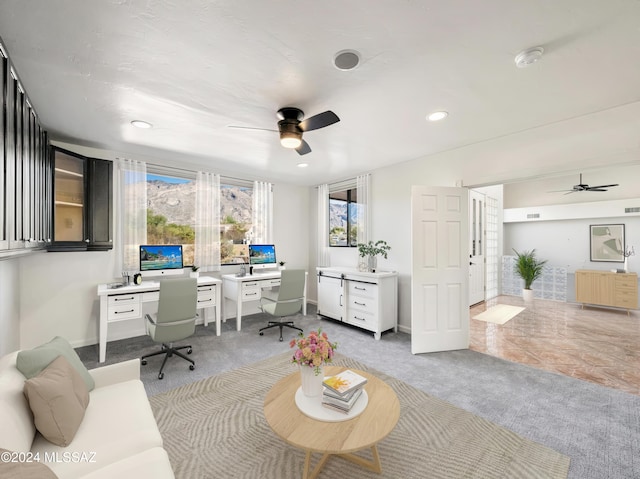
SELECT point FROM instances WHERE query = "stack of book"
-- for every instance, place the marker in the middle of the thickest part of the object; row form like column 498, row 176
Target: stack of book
column 342, row 391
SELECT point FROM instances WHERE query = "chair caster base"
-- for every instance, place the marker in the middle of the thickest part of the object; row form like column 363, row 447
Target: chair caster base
column 143, row 362
column 189, row 351
column 192, row 367
column 161, row 376
column 261, row 333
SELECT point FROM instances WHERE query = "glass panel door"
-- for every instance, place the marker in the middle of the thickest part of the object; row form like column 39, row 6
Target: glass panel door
column 69, row 198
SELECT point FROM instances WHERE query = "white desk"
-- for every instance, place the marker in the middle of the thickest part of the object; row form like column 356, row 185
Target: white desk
column 249, row 288
column 119, row 304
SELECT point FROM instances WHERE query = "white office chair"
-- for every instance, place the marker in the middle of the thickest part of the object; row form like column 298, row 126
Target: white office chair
column 288, row 302
column 175, row 320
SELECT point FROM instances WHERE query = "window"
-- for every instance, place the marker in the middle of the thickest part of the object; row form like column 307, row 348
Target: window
column 171, row 213
column 236, row 207
column 343, row 217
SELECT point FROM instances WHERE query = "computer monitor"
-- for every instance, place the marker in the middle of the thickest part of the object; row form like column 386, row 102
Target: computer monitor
column 160, row 260
column 262, row 256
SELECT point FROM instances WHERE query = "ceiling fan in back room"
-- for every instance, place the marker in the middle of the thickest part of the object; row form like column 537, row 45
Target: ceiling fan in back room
column 291, row 126
column 584, row 187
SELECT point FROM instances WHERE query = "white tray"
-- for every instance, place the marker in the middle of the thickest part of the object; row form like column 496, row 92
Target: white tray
column 313, row 408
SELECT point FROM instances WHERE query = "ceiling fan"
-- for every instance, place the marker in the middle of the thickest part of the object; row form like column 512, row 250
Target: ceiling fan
column 291, row 126
column 584, row 187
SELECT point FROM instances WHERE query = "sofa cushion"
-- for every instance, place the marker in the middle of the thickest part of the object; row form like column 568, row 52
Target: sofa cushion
column 58, row 398
column 18, row 430
column 22, row 469
column 117, row 424
column 30, row 362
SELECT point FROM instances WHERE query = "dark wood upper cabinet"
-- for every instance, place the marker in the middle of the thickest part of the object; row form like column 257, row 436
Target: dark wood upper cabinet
column 82, row 202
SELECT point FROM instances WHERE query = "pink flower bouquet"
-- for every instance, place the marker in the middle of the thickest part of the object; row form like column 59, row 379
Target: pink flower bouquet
column 313, row 350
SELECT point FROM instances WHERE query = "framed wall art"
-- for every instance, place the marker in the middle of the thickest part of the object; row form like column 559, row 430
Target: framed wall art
column 607, row 243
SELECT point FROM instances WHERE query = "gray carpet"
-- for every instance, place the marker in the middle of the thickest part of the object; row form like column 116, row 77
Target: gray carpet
column 216, row 428
column 597, row 427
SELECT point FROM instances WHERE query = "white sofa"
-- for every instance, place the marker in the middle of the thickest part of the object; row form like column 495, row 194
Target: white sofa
column 118, row 436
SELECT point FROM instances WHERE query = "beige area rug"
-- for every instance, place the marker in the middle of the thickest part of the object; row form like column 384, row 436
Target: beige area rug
column 215, row 428
column 499, row 314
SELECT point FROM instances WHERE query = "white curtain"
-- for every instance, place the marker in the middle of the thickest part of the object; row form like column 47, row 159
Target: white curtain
column 262, row 213
column 207, row 242
column 131, row 192
column 363, row 193
column 323, row 226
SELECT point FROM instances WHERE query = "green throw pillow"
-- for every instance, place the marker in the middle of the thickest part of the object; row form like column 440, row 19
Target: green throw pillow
column 31, row 362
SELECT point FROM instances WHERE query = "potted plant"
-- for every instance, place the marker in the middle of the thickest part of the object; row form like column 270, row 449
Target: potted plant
column 371, row 251
column 281, row 265
column 529, row 268
column 194, row 271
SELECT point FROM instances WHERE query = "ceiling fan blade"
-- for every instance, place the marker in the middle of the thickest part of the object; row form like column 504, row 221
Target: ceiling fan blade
column 304, row 148
column 250, row 128
column 591, row 188
column 319, row 121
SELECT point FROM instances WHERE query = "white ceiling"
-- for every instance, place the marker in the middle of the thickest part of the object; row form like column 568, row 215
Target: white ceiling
column 192, row 68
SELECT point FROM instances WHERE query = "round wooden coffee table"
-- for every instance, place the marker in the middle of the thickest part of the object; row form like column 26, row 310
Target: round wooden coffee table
column 333, row 438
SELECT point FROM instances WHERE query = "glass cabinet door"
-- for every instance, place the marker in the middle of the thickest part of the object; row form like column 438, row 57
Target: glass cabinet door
column 69, row 180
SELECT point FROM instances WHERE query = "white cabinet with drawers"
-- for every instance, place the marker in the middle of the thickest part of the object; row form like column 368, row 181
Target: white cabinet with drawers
column 366, row 300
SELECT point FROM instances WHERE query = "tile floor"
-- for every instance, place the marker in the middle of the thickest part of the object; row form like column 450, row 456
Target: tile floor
column 593, row 344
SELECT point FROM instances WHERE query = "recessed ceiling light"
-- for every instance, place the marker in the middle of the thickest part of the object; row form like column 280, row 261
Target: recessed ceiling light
column 303, row 165
column 437, row 115
column 141, row 124
column 346, row 60
column 528, row 57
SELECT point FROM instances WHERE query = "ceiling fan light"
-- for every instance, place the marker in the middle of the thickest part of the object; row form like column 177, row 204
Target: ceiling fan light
column 290, row 139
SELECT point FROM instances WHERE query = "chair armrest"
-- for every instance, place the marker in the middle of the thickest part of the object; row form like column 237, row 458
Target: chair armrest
column 149, row 318
column 266, row 298
column 176, row 323
column 116, row 373
column 285, row 301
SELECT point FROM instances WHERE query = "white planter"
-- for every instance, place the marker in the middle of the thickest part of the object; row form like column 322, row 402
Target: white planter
column 194, row 274
column 527, row 295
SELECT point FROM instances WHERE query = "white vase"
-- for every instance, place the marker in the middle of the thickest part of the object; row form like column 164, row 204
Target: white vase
column 527, row 295
column 372, row 263
column 194, row 274
column 311, row 382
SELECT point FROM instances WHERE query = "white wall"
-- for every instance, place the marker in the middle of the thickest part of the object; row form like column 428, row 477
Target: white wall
column 566, row 243
column 9, row 305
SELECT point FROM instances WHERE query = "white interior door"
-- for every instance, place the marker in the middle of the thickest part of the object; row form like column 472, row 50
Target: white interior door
column 440, row 269
column 477, row 214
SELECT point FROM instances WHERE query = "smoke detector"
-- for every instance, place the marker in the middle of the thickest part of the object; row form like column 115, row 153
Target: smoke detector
column 528, row 57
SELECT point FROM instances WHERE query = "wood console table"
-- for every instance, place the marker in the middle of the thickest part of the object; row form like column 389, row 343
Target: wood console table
column 333, row 438
column 605, row 288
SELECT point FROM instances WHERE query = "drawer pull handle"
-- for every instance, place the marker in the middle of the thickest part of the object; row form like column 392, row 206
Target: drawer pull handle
column 207, row 289
column 361, row 289
column 125, row 299
column 359, row 304
column 123, row 312
column 251, row 294
column 203, row 300
column 360, row 319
